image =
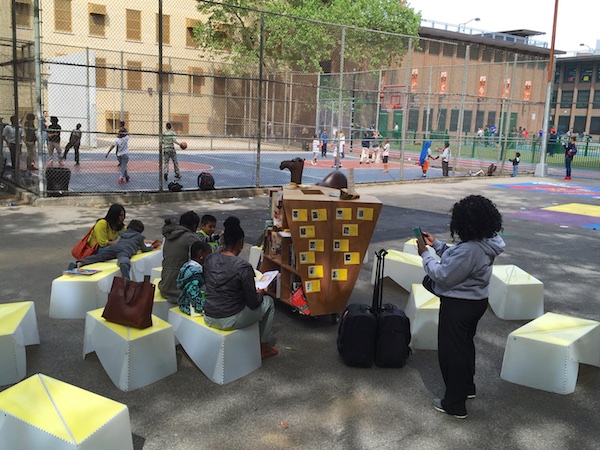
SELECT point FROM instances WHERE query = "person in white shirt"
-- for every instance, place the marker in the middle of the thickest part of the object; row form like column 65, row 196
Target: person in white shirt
column 316, row 148
column 446, row 155
column 385, row 154
column 342, row 144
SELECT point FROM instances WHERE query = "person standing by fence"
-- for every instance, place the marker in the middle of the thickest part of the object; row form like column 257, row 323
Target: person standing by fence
column 570, row 151
column 323, row 138
column 169, row 153
column 54, row 142
column 446, row 155
column 30, row 140
column 9, row 135
column 122, row 145
column 74, row 143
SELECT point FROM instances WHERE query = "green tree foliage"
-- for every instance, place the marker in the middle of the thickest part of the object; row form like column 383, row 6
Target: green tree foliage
column 233, row 28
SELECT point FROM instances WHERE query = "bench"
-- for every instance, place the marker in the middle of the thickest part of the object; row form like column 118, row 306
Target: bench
column 223, row 356
column 132, row 358
column 514, row 294
column 72, row 296
column 161, row 305
column 423, row 310
column 410, row 247
column 545, row 353
column 142, row 264
column 42, row 413
column 155, row 273
column 403, row 268
column 18, row 328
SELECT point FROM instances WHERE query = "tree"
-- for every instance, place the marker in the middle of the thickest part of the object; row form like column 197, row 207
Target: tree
column 234, row 29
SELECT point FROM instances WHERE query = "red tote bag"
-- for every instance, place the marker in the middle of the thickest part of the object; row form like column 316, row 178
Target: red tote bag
column 82, row 249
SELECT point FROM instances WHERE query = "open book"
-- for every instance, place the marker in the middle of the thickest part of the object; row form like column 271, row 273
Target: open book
column 263, row 280
column 81, row 271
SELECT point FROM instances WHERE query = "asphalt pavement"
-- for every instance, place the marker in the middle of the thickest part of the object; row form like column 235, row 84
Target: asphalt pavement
column 305, row 397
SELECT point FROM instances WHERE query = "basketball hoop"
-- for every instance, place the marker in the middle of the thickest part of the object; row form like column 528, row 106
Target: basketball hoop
column 392, row 97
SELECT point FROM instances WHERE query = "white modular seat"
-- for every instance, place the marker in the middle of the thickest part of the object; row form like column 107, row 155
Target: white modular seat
column 223, row 356
column 142, row 264
column 545, row 353
column 155, row 274
column 410, row 247
column 423, row 310
column 403, row 268
column 132, row 358
column 161, row 305
column 42, row 413
column 72, row 296
column 255, row 256
column 514, row 294
column 18, row 328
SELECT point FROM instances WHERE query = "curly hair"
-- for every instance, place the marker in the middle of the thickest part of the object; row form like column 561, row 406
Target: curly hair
column 475, row 217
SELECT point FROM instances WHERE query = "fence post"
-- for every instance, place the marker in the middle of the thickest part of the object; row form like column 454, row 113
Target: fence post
column 406, row 106
column 461, row 111
column 38, row 100
column 260, row 93
column 160, row 93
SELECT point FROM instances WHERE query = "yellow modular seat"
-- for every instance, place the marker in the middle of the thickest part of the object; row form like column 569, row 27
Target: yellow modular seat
column 161, row 305
column 410, row 246
column 156, row 274
column 42, row 413
column 132, row 358
column 405, row 269
column 223, row 356
column 74, row 295
column 545, row 353
column 514, row 294
column 142, row 264
column 423, row 310
column 18, row 328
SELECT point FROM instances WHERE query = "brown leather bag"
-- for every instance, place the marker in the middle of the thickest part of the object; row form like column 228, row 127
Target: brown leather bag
column 130, row 303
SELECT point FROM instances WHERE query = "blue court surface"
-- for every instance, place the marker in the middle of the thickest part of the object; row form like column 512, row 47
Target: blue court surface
column 230, row 170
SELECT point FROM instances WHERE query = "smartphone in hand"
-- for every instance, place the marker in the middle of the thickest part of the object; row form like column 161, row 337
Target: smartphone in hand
column 419, row 235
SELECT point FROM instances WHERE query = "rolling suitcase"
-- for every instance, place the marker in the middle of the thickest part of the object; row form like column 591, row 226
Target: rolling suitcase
column 357, row 332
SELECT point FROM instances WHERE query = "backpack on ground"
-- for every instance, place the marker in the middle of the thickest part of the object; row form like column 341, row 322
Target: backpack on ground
column 206, row 181
column 174, row 186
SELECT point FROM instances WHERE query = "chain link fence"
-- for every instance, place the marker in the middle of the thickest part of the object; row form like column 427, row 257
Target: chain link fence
column 97, row 72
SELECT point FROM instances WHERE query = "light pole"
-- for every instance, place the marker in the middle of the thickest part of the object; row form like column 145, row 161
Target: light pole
column 463, row 26
column 589, row 48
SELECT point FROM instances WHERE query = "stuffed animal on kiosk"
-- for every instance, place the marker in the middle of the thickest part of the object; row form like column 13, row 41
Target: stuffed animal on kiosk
column 295, row 166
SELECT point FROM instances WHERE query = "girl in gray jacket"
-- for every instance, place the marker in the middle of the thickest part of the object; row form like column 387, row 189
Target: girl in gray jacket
column 461, row 281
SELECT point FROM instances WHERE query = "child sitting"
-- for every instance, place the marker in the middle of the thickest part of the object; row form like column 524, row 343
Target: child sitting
column 131, row 240
column 208, row 223
column 191, row 281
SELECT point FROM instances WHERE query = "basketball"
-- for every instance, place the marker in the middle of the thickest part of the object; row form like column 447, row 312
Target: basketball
column 183, row 145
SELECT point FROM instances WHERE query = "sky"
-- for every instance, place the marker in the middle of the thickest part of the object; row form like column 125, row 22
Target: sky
column 577, row 21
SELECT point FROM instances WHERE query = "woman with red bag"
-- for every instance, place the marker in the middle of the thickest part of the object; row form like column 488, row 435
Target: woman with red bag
column 106, row 231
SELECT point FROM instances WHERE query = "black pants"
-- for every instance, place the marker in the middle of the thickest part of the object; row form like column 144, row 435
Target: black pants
column 324, row 150
column 456, row 350
column 75, row 147
column 445, row 168
column 13, row 155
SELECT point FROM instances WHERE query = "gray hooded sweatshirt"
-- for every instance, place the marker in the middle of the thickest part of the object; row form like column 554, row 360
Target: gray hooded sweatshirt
column 465, row 269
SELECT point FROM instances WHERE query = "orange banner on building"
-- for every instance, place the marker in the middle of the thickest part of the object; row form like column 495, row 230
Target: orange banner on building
column 506, row 93
column 481, row 89
column 527, row 91
column 414, row 80
column 443, row 82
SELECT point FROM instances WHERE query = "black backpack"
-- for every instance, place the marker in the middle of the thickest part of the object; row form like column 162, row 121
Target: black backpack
column 206, row 182
column 174, row 186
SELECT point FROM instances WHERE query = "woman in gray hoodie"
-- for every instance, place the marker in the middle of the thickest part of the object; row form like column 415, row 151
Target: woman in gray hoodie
column 232, row 299
column 461, row 280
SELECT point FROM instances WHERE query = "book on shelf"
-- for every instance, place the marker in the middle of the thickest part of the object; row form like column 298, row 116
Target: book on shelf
column 81, row 271
column 297, row 299
column 263, row 280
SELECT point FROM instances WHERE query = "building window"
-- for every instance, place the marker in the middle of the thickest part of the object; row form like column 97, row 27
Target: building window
column 499, row 56
column 487, row 55
column 413, row 119
column 595, row 125
column 449, row 50
column 196, row 80
column 467, row 119
column 570, row 74
column 100, row 72
column 554, row 98
column 219, row 83
column 596, row 103
column 586, row 74
column 190, row 24
column 23, row 13
column 566, row 99
column 563, row 124
column 479, row 119
column 166, row 31
column 180, row 123
column 427, row 121
column 583, row 99
column 491, row 118
column 579, row 124
column 133, row 24
column 97, row 19
column 134, row 75
column 62, row 15
column 112, row 120
column 421, row 46
column 461, row 50
column 434, row 48
column 166, row 78
column 474, row 52
column 441, row 122
column 454, row 119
